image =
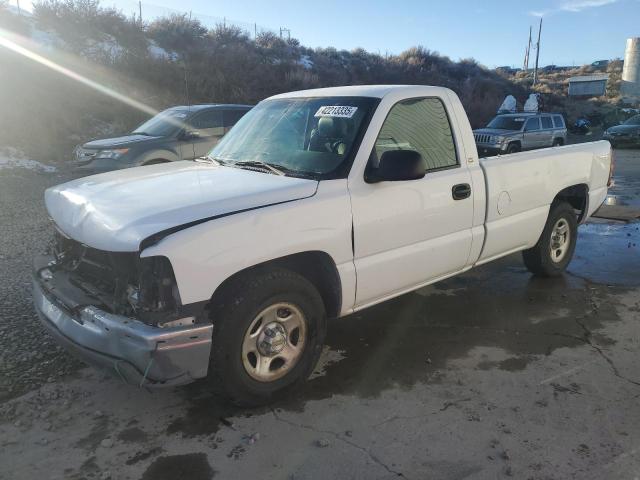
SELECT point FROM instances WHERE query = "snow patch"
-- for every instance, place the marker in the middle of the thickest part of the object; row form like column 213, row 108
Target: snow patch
column 156, row 51
column 306, row 62
column 13, row 158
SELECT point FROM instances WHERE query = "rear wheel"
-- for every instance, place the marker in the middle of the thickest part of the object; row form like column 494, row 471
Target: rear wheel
column 513, row 148
column 554, row 250
column 268, row 332
column 557, row 142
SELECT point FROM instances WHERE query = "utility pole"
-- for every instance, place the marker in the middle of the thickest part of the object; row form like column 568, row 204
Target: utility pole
column 255, row 31
column 535, row 72
column 525, row 67
column 18, row 4
column 288, row 31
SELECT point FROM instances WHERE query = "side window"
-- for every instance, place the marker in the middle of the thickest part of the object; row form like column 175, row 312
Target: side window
column 209, row 122
column 421, row 125
column 546, row 122
column 558, row 121
column 532, row 124
column 231, row 117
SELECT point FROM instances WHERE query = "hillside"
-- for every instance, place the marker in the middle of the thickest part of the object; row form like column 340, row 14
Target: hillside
column 159, row 63
column 554, row 87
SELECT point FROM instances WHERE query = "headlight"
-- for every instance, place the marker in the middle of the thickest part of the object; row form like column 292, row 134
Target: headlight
column 114, row 154
column 499, row 140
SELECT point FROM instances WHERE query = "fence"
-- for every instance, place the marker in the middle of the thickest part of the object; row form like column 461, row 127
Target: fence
column 151, row 11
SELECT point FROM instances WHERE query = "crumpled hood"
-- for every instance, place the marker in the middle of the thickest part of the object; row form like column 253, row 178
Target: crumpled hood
column 117, row 141
column 116, row 211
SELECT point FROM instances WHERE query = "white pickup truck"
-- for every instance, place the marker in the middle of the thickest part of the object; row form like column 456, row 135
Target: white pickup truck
column 317, row 204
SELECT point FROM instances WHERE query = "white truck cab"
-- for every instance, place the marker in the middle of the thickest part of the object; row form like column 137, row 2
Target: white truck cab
column 316, row 204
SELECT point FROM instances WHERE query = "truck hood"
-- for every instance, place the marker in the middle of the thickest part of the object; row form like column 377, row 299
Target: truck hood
column 116, row 211
column 117, row 142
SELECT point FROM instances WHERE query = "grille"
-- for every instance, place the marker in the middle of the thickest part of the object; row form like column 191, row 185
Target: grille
column 483, row 138
column 98, row 268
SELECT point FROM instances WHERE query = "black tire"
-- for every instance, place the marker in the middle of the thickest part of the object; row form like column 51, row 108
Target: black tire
column 558, row 142
column 539, row 259
column 232, row 313
column 513, row 148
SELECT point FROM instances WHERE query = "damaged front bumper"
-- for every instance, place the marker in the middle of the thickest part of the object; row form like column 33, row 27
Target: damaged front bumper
column 134, row 351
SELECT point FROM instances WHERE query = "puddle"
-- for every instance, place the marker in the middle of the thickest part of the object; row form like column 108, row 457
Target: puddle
column 133, row 435
column 192, row 466
column 608, row 254
column 625, row 192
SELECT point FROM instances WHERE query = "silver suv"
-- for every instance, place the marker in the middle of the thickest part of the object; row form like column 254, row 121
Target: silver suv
column 512, row 132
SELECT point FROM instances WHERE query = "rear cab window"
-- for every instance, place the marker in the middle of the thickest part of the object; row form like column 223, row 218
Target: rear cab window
column 421, row 125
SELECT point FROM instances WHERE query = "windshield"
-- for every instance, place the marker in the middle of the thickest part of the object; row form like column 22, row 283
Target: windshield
column 163, row 124
column 305, row 136
column 635, row 120
column 502, row 122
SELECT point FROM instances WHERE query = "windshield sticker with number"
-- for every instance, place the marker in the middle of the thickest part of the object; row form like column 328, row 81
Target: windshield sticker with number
column 336, row 111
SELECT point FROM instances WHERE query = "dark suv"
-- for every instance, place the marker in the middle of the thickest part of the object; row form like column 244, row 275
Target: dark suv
column 178, row 133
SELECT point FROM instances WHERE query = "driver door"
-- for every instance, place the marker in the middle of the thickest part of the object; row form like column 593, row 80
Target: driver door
column 532, row 134
column 407, row 233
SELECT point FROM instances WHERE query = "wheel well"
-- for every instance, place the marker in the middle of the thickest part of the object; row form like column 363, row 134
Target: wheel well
column 577, row 196
column 316, row 266
column 156, row 161
column 515, row 142
column 558, row 141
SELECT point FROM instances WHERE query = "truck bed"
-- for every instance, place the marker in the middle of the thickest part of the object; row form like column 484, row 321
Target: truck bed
column 521, row 186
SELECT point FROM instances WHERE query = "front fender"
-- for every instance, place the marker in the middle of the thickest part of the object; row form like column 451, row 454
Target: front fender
column 205, row 255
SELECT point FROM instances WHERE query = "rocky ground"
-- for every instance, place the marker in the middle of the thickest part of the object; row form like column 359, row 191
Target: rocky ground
column 490, row 374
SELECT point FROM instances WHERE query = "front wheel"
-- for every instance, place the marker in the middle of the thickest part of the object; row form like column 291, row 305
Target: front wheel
column 268, row 332
column 554, row 250
column 513, row 148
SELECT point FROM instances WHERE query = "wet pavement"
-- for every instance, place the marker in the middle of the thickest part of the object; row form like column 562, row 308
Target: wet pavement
column 491, row 374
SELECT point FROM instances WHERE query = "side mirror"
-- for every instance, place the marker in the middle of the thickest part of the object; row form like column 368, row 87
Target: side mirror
column 190, row 135
column 398, row 165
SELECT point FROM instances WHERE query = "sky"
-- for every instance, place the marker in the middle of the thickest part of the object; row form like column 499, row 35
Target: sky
column 494, row 32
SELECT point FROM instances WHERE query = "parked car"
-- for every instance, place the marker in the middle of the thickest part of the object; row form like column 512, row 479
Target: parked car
column 234, row 268
column 513, row 132
column 627, row 133
column 178, row 133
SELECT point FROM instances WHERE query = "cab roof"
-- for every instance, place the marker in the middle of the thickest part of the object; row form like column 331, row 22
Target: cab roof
column 375, row 91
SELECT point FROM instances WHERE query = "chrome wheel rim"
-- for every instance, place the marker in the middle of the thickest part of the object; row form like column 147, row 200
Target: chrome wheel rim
column 274, row 342
column 560, row 240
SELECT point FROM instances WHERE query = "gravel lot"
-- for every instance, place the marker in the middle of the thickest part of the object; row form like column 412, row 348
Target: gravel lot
column 488, row 375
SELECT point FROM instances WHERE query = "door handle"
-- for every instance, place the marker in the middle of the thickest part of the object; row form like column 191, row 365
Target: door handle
column 461, row 191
